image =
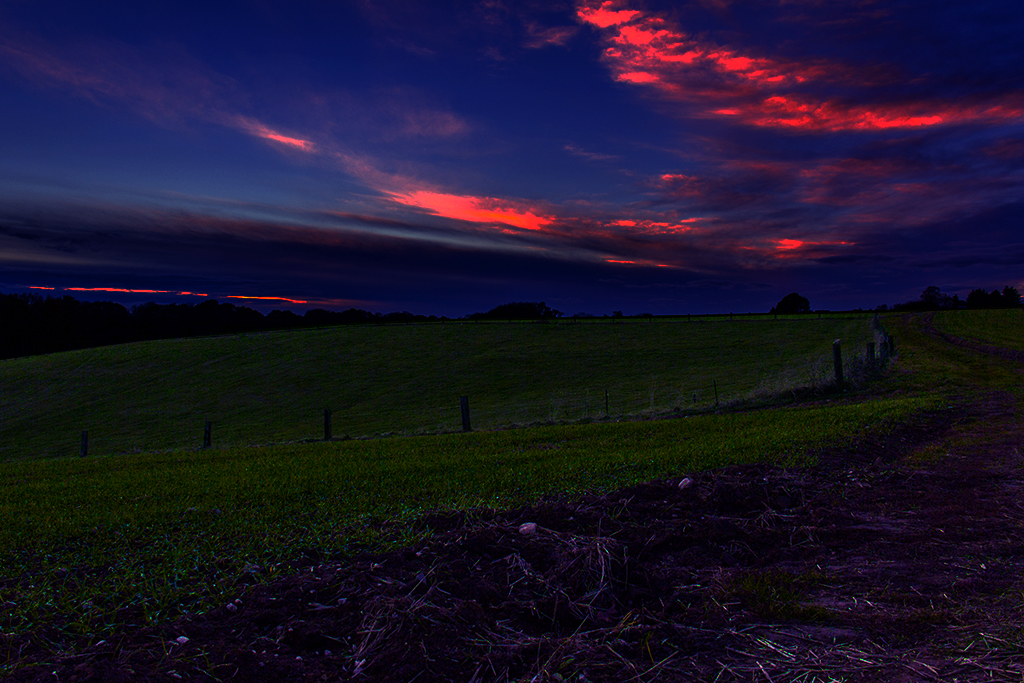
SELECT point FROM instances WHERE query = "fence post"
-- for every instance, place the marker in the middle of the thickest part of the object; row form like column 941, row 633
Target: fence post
column 327, row 424
column 837, row 361
column 464, row 404
column 207, row 434
column 715, row 382
column 871, row 353
column 85, row 444
column 606, row 413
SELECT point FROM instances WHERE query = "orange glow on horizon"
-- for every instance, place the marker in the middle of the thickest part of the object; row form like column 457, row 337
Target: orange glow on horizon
column 30, row 287
column 474, row 209
column 789, row 244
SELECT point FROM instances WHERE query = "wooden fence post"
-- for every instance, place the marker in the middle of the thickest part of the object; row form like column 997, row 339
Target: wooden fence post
column 207, row 434
column 85, row 444
column 837, row 362
column 715, row 382
column 606, row 403
column 464, row 404
column 327, row 424
column 871, row 353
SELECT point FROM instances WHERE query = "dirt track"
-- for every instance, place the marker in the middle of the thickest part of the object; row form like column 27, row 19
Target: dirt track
column 867, row 567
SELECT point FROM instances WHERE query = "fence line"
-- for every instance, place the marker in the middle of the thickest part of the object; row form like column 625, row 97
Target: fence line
column 660, row 397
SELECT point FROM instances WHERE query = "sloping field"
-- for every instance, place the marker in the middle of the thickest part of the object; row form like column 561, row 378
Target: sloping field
column 870, row 535
column 274, row 387
column 1001, row 328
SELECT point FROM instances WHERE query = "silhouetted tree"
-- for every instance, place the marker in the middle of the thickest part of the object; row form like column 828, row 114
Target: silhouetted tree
column 931, row 299
column 792, row 303
column 518, row 310
column 1008, row 298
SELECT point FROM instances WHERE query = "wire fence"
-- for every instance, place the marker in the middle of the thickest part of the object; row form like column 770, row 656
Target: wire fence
column 657, row 397
column 575, row 385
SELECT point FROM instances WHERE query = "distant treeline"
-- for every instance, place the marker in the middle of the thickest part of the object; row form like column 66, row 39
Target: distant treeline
column 31, row 324
column 934, row 299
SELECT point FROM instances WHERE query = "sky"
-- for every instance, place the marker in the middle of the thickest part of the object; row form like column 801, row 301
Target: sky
column 707, row 156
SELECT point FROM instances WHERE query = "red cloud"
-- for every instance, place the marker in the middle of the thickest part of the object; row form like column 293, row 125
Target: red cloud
column 604, row 17
column 474, row 209
column 721, row 81
column 261, row 131
column 649, row 227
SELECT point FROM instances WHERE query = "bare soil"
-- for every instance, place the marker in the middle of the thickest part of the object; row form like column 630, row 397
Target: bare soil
column 870, row 566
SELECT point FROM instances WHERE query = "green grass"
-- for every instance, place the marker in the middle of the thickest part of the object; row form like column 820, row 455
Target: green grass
column 929, row 364
column 99, row 544
column 273, row 387
column 1003, row 328
column 93, row 546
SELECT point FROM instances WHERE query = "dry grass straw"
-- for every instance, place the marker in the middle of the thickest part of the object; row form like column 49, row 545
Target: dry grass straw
column 797, row 655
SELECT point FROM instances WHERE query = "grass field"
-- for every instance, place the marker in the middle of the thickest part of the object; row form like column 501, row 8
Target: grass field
column 273, row 387
column 91, row 546
column 96, row 544
column 996, row 327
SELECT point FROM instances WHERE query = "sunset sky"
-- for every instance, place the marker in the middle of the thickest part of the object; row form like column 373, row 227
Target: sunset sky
column 445, row 158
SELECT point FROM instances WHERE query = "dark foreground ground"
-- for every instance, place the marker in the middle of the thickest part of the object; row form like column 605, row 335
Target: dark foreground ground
column 868, row 567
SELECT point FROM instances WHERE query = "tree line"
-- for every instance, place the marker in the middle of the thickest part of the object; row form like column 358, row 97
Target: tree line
column 934, row 299
column 931, row 299
column 31, row 324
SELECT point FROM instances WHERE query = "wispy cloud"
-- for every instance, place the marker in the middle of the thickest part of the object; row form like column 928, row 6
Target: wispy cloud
column 764, row 90
column 475, row 209
column 261, row 131
column 170, row 90
column 591, row 156
column 539, row 36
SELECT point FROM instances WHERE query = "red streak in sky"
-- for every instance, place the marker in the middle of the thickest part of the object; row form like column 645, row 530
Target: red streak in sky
column 130, row 291
column 259, row 130
column 474, row 209
column 171, row 291
column 646, row 264
column 268, row 298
